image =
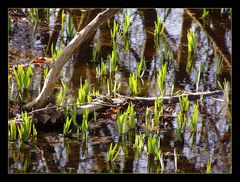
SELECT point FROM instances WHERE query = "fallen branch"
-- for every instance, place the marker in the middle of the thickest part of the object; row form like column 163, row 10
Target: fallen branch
column 117, row 102
column 171, row 99
column 67, row 52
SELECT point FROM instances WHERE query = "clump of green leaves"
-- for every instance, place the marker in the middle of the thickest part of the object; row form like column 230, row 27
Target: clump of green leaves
column 159, row 156
column 45, row 73
column 66, row 126
column 126, row 23
column 219, row 64
column 191, row 37
column 184, row 103
column 225, row 89
column 23, row 78
column 122, row 122
column 162, row 72
column 133, row 84
column 26, row 129
column 193, row 124
column 70, row 30
column 113, row 153
column 159, row 30
column 83, row 93
column 181, row 123
column 131, row 113
column 141, row 68
column 62, row 94
column 153, row 144
column 55, row 53
column 209, row 165
column 12, row 131
column 158, row 110
column 115, row 32
column 114, row 59
column 139, row 142
column 101, row 70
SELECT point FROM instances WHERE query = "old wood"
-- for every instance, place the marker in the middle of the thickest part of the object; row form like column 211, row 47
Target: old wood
column 67, row 52
column 117, row 102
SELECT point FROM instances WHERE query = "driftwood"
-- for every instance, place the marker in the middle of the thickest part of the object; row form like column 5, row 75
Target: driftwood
column 67, row 52
column 51, row 114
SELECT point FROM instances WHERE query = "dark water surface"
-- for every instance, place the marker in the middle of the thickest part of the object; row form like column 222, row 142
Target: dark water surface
column 54, row 153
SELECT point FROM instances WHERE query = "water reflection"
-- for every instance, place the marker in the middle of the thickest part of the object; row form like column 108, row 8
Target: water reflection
column 56, row 154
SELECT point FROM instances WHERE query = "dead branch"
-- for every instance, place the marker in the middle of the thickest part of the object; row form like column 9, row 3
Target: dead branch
column 67, row 52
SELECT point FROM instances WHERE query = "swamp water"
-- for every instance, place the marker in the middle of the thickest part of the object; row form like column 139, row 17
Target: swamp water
column 54, row 153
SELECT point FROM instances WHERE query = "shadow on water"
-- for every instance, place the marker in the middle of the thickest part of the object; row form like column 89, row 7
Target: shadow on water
column 54, row 153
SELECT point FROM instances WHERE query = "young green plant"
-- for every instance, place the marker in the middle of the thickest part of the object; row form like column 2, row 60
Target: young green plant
column 23, row 78
column 141, row 68
column 101, row 70
column 193, row 124
column 131, row 112
column 162, row 72
column 133, row 84
column 191, row 37
column 12, row 131
column 66, row 126
column 122, row 122
column 113, row 153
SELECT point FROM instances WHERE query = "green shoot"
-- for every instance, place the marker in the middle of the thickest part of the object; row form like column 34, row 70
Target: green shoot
column 181, row 123
column 193, row 124
column 114, row 59
column 95, row 50
column 141, row 68
column 158, row 111
column 204, row 15
column 115, row 32
column 95, row 92
column 191, row 40
column 159, row 27
column 152, row 144
column 161, row 79
column 12, row 131
column 25, row 129
column 70, row 28
column 219, row 64
column 45, row 73
column 209, row 165
column 139, row 142
column 126, row 23
column 55, row 53
column 85, row 124
column 59, row 98
column 130, row 110
column 113, row 153
column 63, row 19
column 159, row 156
column 122, row 122
column 184, row 103
column 66, row 126
column 101, row 70
column 83, row 93
column 23, row 78
column 133, row 84
column 225, row 89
